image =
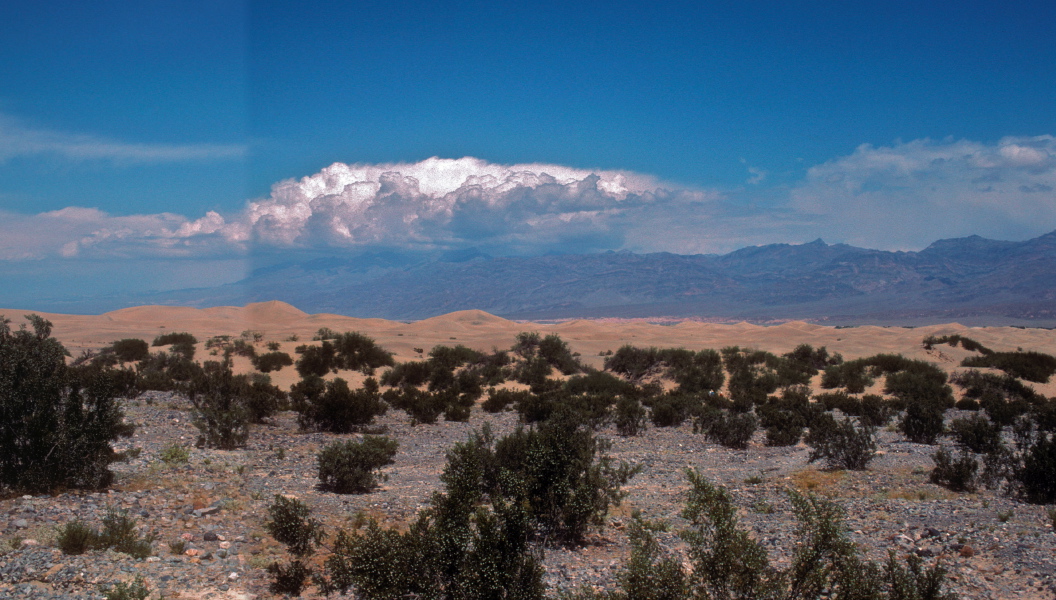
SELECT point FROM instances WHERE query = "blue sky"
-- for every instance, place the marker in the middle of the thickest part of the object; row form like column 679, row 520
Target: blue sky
column 159, row 137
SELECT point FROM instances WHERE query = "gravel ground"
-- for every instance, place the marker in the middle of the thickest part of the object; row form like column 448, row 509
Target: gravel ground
column 214, row 505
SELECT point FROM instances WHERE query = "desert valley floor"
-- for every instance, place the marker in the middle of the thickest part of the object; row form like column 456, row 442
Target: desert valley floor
column 213, row 506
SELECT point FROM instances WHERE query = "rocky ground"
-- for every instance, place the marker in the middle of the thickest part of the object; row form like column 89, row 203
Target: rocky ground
column 207, row 514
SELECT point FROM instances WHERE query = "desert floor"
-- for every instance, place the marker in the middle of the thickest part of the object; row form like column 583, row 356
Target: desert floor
column 992, row 546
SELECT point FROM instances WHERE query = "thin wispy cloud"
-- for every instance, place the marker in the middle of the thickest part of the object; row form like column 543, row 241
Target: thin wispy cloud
column 902, row 196
column 19, row 140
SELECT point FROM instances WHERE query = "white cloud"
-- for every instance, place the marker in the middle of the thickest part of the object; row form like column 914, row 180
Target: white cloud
column 899, row 197
column 905, row 195
column 18, row 140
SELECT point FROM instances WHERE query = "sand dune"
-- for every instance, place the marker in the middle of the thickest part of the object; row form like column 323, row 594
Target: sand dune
column 290, row 326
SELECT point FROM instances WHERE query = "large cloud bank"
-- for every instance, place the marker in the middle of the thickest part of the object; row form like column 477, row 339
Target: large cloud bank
column 899, row 197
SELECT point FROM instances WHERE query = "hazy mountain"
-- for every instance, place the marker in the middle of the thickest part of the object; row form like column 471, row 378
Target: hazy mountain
column 970, row 279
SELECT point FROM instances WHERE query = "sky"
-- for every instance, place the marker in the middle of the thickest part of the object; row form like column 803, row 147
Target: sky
column 163, row 144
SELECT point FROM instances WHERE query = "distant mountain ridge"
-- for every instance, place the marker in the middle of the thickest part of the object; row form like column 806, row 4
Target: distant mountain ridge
column 951, row 279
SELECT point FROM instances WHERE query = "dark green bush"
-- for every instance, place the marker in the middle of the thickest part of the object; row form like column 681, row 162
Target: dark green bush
column 1032, row 366
column 920, row 383
column 841, row 444
column 851, row 375
column 848, row 405
column 726, row 563
column 56, row 423
column 633, row 363
column 168, row 339
column 272, row 361
column 694, row 372
column 978, row 385
column 130, row 350
column 221, row 402
column 334, row 407
column 958, row 474
column 955, row 339
column 976, row 433
column 922, row 422
column 875, row 411
column 317, row 360
column 288, row 580
column 351, row 467
column 500, row 400
column 422, row 406
column 557, row 354
column 119, row 533
column 783, row 427
column 629, row 416
column 671, row 410
column 561, row 473
column 969, row 404
column 408, row 374
column 76, row 537
column 732, row 430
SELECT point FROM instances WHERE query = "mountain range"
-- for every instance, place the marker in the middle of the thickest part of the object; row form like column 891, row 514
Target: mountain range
column 970, row 279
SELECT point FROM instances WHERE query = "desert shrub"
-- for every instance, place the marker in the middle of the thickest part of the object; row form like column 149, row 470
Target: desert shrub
column 119, row 533
column 958, row 474
column 694, row 372
column 633, row 363
column 136, row 590
column 978, row 385
column 1000, row 411
column 500, row 400
column 56, row 423
column 222, row 405
column 969, row 404
column 130, row 349
column 851, row 375
column 732, row 430
column 288, row 580
column 976, row 433
column 1032, row 366
column 806, row 359
column 408, row 374
column 840, row 400
column 599, row 383
column 1031, row 476
column 476, row 539
column 316, row 360
column 324, row 334
column 168, row 339
column 563, row 476
column 557, row 354
column 725, row 562
column 421, row 405
column 922, row 422
column 76, row 537
column 955, row 339
column 351, row 467
column 241, row 347
column 533, row 372
column 751, row 378
column 841, row 444
column 336, row 408
column 174, row 454
column 783, row 427
column 875, row 411
column 629, row 416
column 357, row 352
column 920, row 382
column 671, row 410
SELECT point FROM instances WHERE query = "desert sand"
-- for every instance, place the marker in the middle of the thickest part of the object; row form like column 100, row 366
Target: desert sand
column 278, row 321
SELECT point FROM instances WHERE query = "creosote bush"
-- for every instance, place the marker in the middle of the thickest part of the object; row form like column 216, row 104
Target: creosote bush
column 333, row 406
column 841, row 444
column 351, row 467
column 922, row 422
column 725, row 562
column 957, row 474
column 56, row 422
column 119, row 533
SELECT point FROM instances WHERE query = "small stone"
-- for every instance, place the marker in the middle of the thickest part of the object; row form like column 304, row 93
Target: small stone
column 21, row 523
column 967, row 551
column 209, row 536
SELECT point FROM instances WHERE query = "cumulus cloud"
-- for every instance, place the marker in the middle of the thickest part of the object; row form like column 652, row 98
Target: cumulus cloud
column 17, row 139
column 902, row 196
column 440, row 203
column 905, row 195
